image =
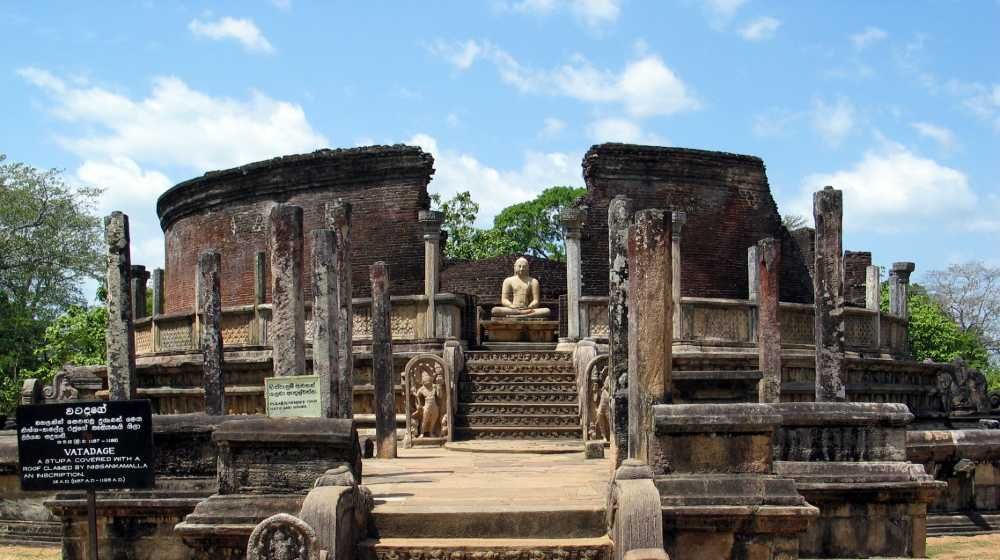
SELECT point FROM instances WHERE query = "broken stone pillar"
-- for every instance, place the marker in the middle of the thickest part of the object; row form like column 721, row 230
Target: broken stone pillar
column 385, row 401
column 339, row 219
column 119, row 335
column 288, row 318
column 619, row 214
column 679, row 219
column 899, row 282
column 431, row 221
column 157, row 306
column 753, row 274
column 138, row 278
column 873, row 288
column 210, row 309
column 650, row 324
column 768, row 327
column 828, row 289
column 324, row 287
column 572, row 222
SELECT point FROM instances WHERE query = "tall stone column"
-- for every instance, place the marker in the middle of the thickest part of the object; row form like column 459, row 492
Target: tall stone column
column 287, row 336
column 899, row 283
column 873, row 288
column 650, row 324
column 828, row 289
column 768, row 325
column 210, row 309
column 325, row 314
column 120, row 336
column 138, row 278
column 382, row 370
column 572, row 222
column 677, row 227
column 431, row 221
column 619, row 215
column 339, row 219
column 259, row 296
column 753, row 274
column 157, row 306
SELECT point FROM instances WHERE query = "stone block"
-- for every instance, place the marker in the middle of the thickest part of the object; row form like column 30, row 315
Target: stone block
column 715, row 438
column 520, row 330
column 830, row 431
column 646, row 554
column 594, row 450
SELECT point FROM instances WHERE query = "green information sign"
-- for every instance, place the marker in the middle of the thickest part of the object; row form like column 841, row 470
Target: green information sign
column 293, row 395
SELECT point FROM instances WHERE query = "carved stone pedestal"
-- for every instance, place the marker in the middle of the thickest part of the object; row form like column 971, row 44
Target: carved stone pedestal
column 719, row 495
column 520, row 330
column 849, row 460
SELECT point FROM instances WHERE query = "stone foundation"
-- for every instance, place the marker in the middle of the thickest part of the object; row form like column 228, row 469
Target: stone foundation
column 520, row 330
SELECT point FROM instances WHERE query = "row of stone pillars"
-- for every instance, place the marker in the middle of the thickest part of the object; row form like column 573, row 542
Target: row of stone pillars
column 644, row 314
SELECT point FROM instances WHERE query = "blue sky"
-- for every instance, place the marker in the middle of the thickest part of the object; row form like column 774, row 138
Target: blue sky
column 897, row 103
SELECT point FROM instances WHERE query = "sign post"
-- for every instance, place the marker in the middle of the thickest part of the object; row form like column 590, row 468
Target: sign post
column 86, row 446
column 293, row 396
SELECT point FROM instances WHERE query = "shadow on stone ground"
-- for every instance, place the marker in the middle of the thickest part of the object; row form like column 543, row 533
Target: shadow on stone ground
column 980, row 547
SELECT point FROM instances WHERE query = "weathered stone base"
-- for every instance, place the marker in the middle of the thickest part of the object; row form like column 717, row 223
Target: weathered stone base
column 866, row 509
column 135, row 525
column 220, row 526
column 520, row 330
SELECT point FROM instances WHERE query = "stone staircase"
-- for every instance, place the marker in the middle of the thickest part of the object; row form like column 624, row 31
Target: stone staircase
column 518, row 394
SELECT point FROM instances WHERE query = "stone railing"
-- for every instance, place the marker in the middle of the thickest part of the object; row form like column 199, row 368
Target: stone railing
column 248, row 326
column 733, row 323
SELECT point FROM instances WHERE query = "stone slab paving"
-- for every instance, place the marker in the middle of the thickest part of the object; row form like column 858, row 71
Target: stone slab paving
column 444, row 493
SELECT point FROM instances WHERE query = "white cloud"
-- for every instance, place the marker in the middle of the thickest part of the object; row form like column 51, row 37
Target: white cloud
column 453, row 120
column 943, row 136
column 592, row 13
column 868, row 37
column 492, row 188
column 125, row 184
column 243, row 30
column 645, row 87
column 721, row 12
column 774, row 122
column 833, row 121
column 282, row 4
column 552, row 127
column 893, row 189
column 176, row 125
column 621, row 130
column 760, row 29
column 984, row 102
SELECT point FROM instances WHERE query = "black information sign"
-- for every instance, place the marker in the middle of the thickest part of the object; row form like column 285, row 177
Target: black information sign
column 99, row 445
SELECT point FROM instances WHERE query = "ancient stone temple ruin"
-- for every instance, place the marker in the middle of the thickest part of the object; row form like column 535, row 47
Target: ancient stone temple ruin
column 695, row 381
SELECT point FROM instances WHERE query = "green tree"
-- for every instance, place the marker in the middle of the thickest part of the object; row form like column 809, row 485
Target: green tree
column 49, row 243
column 529, row 228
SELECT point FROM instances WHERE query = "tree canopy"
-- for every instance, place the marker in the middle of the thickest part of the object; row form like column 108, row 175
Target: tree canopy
column 528, row 228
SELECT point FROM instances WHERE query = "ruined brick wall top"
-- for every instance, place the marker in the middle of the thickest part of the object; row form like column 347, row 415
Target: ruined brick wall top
column 856, row 265
column 728, row 203
column 228, row 211
column 484, row 278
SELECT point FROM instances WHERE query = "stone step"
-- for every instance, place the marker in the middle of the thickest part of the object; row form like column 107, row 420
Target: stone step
column 532, row 421
column 941, row 524
column 518, row 356
column 517, row 377
column 30, row 532
column 509, row 367
column 582, row 548
column 517, row 387
column 517, row 397
column 518, row 432
column 518, row 409
column 518, row 346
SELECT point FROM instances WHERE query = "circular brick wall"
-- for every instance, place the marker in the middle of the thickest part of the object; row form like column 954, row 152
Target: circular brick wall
column 227, row 211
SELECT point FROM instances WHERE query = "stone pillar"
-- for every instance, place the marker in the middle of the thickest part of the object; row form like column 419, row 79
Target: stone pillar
column 157, row 306
column 120, row 336
column 385, row 401
column 325, row 314
column 899, row 282
column 572, row 222
column 873, row 288
column 679, row 219
column 828, row 289
column 431, row 221
column 339, row 219
column 259, row 334
column 138, row 278
column 619, row 215
column 768, row 325
column 287, row 331
column 650, row 324
column 210, row 309
column 157, row 291
column 753, row 274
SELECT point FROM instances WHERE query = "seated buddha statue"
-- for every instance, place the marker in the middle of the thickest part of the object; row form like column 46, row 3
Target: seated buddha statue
column 519, row 296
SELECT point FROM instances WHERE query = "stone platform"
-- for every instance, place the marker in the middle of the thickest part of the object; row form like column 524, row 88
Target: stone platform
column 427, row 495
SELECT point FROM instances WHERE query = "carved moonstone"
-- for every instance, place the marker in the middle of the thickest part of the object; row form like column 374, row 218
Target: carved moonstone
column 283, row 537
